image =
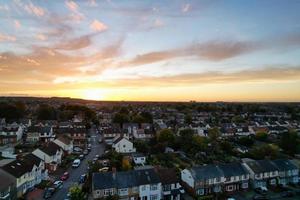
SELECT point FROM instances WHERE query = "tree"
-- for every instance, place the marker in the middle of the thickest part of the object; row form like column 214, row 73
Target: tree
column 188, row 119
column 266, row 150
column 261, row 135
column 290, row 143
column 11, row 111
column 166, row 136
column 246, row 141
column 46, row 112
column 213, row 134
column 76, row 193
column 120, row 118
column 126, row 164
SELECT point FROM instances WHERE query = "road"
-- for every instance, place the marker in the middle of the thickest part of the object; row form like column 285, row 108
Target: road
column 97, row 148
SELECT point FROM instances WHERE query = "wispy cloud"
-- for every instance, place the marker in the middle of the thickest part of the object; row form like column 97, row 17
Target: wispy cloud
column 17, row 24
column 9, row 38
column 98, row 26
column 186, row 7
column 72, row 6
column 34, row 10
column 75, row 15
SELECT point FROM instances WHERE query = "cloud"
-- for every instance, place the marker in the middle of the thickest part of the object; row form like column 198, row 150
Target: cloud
column 75, row 16
column 185, row 8
column 9, row 38
column 47, row 63
column 93, row 3
column 41, row 37
column 34, row 10
column 4, row 7
column 157, row 23
column 72, row 6
column 98, row 26
column 212, row 50
column 17, row 24
column 74, row 44
column 217, row 50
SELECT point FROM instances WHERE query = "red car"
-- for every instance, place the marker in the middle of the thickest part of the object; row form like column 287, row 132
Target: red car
column 65, row 176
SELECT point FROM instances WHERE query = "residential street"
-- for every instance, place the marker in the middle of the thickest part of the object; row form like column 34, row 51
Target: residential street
column 82, row 169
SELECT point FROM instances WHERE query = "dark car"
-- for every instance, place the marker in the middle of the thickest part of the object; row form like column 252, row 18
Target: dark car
column 82, row 178
column 261, row 190
column 259, row 197
column 81, row 156
column 48, row 193
column 287, row 194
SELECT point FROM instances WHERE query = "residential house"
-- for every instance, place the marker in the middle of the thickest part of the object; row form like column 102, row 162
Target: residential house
column 77, row 134
column 51, row 154
column 40, row 134
column 7, row 151
column 135, row 184
column 139, row 158
column 236, row 177
column 123, row 145
column 7, row 186
column 33, row 134
column 263, row 173
column 10, row 134
column 171, row 188
column 288, row 171
column 27, row 171
column 65, row 142
column 203, row 180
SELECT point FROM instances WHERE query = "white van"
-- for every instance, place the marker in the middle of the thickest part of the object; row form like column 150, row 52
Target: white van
column 76, row 163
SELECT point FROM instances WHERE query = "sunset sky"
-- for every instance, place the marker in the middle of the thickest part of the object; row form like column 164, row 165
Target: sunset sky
column 222, row 50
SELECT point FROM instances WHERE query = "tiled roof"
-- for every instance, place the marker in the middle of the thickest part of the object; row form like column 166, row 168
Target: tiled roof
column 124, row 179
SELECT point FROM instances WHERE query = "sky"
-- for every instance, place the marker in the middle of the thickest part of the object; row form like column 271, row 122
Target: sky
column 155, row 50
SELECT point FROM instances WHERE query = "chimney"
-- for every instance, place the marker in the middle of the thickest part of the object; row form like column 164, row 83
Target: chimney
column 114, row 171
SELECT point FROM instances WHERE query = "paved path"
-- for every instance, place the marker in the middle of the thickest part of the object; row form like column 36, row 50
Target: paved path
column 97, row 148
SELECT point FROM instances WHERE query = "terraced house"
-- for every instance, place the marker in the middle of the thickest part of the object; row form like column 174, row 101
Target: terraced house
column 288, row 172
column 130, row 185
column 205, row 180
column 263, row 173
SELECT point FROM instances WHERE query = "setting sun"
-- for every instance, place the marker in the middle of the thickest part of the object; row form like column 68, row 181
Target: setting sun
column 92, row 94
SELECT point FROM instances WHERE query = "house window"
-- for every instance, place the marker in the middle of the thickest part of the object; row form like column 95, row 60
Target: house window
column 200, row 191
column 123, row 191
column 154, row 197
column 167, row 187
column 153, row 187
column 143, row 187
column 230, row 188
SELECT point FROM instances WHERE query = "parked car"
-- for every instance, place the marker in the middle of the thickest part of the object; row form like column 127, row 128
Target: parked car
column 58, row 184
column 76, row 163
column 81, row 156
column 259, row 197
column 65, row 176
column 89, row 148
column 287, row 194
column 97, row 156
column 48, row 193
column 104, row 169
column 85, row 152
column 261, row 190
column 82, row 178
